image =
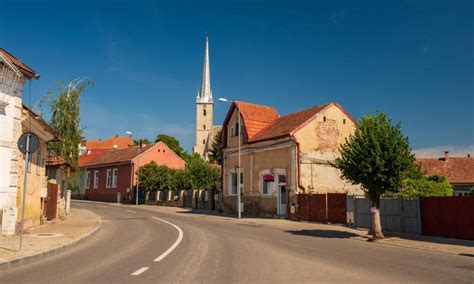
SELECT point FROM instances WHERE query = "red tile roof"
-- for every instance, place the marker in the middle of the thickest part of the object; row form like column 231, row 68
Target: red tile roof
column 285, row 125
column 256, row 117
column 87, row 158
column 116, row 156
column 120, row 141
column 456, row 169
column 24, row 69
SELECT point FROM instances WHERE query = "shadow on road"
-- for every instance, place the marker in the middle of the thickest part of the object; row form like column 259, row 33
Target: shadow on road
column 324, row 234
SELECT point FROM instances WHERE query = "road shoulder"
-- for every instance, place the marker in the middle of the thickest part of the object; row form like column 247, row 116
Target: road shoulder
column 49, row 239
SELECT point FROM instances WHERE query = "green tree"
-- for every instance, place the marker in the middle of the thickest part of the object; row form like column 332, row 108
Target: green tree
column 65, row 119
column 172, row 143
column 425, row 186
column 148, row 176
column 375, row 156
column 215, row 153
column 201, row 175
column 144, row 141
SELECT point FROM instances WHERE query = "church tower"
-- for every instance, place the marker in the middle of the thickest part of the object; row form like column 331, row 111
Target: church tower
column 204, row 109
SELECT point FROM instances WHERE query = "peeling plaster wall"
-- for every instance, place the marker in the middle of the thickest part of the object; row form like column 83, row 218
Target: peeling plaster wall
column 319, row 140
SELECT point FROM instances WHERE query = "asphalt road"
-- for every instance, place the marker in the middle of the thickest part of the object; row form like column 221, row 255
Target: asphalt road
column 214, row 250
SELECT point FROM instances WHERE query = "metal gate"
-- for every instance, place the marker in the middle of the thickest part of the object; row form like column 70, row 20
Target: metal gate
column 52, row 201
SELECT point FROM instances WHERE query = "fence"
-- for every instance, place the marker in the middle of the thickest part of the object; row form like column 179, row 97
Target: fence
column 196, row 199
column 330, row 207
column 396, row 215
column 448, row 216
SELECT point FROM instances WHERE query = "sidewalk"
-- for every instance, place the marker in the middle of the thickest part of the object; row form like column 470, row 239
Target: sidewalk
column 48, row 239
column 438, row 244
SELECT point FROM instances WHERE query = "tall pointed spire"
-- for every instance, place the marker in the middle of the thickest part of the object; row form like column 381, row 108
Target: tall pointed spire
column 205, row 93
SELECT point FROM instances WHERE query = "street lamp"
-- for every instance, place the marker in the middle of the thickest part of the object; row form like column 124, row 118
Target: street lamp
column 239, row 207
column 138, row 166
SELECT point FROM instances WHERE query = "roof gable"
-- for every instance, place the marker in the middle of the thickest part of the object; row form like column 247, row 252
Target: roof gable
column 20, row 66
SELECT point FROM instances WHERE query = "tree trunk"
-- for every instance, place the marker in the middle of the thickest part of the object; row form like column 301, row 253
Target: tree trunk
column 376, row 224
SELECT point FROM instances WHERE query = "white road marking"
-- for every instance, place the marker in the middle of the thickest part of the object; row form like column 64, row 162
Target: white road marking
column 176, row 243
column 130, row 211
column 139, row 271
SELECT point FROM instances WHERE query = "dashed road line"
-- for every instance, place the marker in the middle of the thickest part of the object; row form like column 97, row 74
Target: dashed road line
column 176, row 243
column 139, row 271
column 130, row 211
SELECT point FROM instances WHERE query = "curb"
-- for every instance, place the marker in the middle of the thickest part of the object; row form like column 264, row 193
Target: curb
column 35, row 257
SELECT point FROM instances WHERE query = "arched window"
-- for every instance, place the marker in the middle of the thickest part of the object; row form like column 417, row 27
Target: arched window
column 204, row 126
column 204, row 112
column 203, row 141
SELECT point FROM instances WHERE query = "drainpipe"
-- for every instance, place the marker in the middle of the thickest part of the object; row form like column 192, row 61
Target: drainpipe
column 298, row 163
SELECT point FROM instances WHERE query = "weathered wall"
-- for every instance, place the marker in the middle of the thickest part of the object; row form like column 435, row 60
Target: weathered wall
column 102, row 193
column 36, row 178
column 319, row 141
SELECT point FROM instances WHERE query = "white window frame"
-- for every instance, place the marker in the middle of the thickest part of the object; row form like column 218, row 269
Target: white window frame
column 230, row 183
column 114, row 178
column 276, row 172
column 108, row 179
column 96, row 179
column 88, row 179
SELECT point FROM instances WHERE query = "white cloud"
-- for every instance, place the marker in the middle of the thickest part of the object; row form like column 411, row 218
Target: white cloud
column 438, row 151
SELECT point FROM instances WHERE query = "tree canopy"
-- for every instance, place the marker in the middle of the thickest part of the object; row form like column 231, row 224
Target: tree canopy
column 65, row 119
column 215, row 153
column 376, row 156
column 172, row 143
column 425, row 186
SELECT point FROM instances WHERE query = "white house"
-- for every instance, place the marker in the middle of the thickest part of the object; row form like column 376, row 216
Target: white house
column 13, row 75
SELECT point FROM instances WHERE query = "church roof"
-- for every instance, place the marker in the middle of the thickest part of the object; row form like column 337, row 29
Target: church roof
column 205, row 93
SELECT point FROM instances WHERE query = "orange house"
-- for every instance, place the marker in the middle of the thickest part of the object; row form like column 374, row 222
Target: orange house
column 114, row 172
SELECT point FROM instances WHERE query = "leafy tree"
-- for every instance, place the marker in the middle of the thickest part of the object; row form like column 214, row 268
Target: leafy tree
column 148, row 176
column 375, row 156
column 425, row 186
column 172, row 143
column 215, row 153
column 65, row 119
column 144, row 141
column 201, row 174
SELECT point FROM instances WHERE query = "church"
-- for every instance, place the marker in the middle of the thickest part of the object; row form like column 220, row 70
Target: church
column 205, row 130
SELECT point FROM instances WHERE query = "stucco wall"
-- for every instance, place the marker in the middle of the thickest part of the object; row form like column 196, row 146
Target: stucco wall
column 102, row 193
column 319, row 141
column 232, row 141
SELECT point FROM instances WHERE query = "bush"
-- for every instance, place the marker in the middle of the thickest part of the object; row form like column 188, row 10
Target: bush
column 425, row 186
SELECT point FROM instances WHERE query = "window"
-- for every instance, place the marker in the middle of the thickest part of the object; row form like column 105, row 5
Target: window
column 233, row 187
column 88, row 179
column 203, row 141
column 96, row 179
column 204, row 112
column 268, row 182
column 236, row 129
column 204, row 126
column 343, row 121
column 324, row 118
column 108, row 179
column 114, row 177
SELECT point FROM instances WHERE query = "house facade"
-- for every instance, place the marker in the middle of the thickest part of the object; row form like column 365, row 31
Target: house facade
column 282, row 156
column 36, row 178
column 13, row 75
column 458, row 170
column 111, row 175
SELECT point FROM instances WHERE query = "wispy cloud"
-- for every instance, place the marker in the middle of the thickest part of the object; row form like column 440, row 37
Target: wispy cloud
column 438, row 151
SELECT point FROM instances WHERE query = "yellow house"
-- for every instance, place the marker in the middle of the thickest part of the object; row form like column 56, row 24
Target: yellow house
column 36, row 186
column 282, row 156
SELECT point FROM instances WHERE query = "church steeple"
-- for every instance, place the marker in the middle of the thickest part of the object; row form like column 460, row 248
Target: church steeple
column 205, row 93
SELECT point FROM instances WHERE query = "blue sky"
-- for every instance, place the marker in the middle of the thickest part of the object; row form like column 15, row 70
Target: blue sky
column 411, row 59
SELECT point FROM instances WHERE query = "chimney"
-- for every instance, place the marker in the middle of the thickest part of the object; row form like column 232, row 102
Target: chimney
column 116, row 136
column 446, row 155
column 468, row 155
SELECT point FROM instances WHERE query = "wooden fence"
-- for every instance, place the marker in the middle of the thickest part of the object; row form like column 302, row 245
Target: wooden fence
column 448, row 216
column 330, row 207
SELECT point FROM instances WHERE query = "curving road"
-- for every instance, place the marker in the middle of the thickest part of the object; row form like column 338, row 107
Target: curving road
column 214, row 250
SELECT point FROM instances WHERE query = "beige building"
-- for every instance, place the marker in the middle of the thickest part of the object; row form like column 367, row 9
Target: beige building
column 36, row 186
column 282, row 156
column 205, row 130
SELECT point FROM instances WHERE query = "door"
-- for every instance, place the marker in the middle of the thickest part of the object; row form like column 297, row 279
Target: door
column 282, row 195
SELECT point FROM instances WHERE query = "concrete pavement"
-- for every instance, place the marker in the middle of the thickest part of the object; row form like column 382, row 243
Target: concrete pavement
column 48, row 239
column 219, row 250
